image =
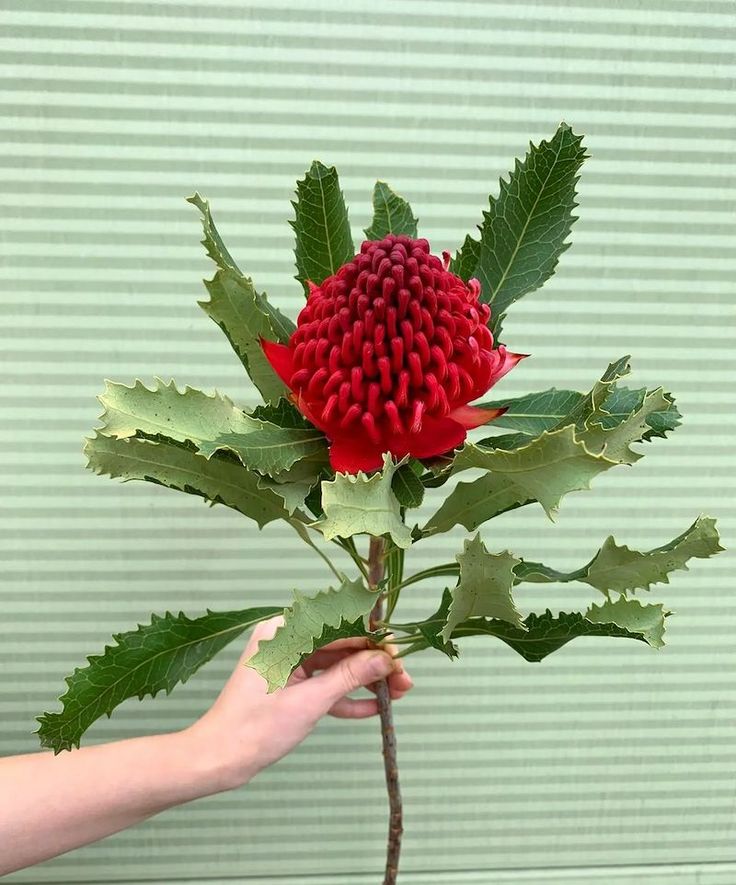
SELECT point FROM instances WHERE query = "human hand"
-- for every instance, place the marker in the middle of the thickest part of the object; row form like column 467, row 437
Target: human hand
column 248, row 729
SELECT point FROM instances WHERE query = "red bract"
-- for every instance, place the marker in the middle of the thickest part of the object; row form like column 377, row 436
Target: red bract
column 387, row 354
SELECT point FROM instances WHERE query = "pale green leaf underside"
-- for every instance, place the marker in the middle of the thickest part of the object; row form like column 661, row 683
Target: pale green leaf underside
column 583, row 443
column 154, row 657
column 211, row 423
column 544, row 470
column 523, row 233
column 323, row 239
column 310, row 623
column 293, row 494
column 356, row 504
column 634, row 616
column 542, row 634
column 218, row 252
column 546, row 633
column 616, row 568
column 484, row 588
column 245, row 316
column 606, row 406
column 220, row 480
column 212, row 241
column 391, row 214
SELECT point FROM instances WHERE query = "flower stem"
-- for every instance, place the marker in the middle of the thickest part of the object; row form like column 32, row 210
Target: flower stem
column 349, row 547
column 396, row 828
column 447, row 568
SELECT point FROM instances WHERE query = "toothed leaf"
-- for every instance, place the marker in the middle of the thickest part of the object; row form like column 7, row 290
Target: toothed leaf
column 391, row 214
column 534, row 413
column 356, row 504
column 211, row 424
column 219, row 480
column 622, row 570
column 525, row 229
column 245, row 316
column 407, row 486
column 632, row 615
column 484, row 588
column 155, row 657
column 282, row 413
column 310, row 623
column 323, row 239
column 212, row 241
column 616, row 568
column 546, row 633
column 543, row 470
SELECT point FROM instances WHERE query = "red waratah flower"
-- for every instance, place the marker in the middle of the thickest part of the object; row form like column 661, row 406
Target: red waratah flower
column 387, row 354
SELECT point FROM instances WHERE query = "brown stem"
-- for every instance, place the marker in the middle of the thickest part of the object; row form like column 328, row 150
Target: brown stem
column 388, row 733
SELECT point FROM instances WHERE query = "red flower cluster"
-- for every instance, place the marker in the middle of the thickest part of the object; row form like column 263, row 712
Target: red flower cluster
column 388, row 352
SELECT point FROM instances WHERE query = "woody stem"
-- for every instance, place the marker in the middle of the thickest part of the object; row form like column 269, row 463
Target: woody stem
column 388, row 734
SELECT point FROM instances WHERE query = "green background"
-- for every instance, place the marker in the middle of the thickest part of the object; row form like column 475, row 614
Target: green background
column 609, row 762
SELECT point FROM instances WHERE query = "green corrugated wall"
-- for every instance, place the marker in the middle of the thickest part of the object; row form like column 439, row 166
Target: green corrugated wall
column 607, row 763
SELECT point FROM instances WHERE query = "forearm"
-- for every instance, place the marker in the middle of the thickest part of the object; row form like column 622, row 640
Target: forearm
column 51, row 804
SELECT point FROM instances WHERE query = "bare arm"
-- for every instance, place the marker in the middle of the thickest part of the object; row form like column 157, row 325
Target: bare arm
column 52, row 804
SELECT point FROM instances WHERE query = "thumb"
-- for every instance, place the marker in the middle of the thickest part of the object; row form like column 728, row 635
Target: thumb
column 353, row 671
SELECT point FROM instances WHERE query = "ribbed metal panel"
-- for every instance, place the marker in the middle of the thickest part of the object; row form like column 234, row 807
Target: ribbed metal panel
column 608, row 762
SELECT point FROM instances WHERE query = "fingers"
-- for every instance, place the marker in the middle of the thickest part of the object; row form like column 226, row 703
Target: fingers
column 349, row 708
column 322, row 692
column 399, row 681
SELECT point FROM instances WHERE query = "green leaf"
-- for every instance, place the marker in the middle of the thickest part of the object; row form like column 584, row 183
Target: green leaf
column 590, row 408
column 220, row 480
column 606, row 405
column 212, row 424
column 484, row 588
column 282, row 413
column 274, row 450
column 391, row 214
column 431, row 629
column 524, row 231
column 212, row 241
column 623, row 401
column 323, row 239
column 546, row 633
column 356, row 504
column 189, row 415
column 535, row 412
column 153, row 658
column 310, row 623
column 615, row 442
column 617, row 568
column 407, row 486
column 293, row 494
column 245, row 316
column 629, row 614
column 544, row 470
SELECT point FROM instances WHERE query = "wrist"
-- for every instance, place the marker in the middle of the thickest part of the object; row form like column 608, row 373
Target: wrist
column 218, row 762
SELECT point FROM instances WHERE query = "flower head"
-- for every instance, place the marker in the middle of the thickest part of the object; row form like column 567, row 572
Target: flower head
column 387, row 354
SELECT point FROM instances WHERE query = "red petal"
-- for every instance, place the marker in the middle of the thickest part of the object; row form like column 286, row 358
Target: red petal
column 437, row 435
column 349, row 454
column 506, row 364
column 509, row 361
column 280, row 357
column 472, row 416
column 306, row 410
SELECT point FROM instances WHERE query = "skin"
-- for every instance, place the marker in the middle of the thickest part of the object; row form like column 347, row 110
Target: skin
column 53, row 804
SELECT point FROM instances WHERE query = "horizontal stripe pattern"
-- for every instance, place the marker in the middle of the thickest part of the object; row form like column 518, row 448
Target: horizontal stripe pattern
column 607, row 762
